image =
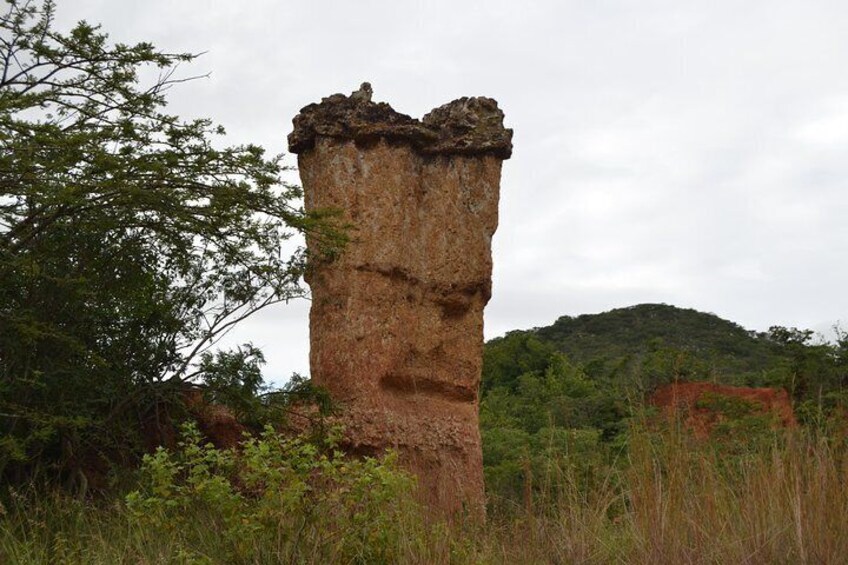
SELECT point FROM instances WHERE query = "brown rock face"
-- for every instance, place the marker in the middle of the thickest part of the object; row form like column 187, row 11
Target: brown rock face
column 697, row 402
column 396, row 325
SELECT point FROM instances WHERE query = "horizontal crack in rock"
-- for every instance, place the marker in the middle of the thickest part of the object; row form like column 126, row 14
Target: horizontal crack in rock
column 455, row 299
column 412, row 382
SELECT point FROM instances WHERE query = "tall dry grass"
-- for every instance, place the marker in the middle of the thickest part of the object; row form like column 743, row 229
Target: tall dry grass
column 676, row 499
column 668, row 499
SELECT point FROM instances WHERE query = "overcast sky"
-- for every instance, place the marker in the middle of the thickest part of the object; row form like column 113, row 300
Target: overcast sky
column 692, row 153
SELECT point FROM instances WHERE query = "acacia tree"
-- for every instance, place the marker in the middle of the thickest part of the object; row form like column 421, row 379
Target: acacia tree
column 129, row 242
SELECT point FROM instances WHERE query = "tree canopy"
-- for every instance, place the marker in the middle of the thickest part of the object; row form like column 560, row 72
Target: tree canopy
column 131, row 240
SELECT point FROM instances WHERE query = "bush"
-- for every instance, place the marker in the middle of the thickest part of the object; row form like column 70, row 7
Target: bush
column 276, row 499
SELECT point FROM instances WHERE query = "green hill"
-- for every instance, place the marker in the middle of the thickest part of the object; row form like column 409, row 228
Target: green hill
column 728, row 350
column 646, row 345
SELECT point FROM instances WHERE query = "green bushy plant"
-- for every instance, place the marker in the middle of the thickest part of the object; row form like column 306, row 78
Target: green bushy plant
column 277, row 498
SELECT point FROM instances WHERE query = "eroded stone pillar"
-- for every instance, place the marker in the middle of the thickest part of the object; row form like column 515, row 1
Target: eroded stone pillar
column 396, row 325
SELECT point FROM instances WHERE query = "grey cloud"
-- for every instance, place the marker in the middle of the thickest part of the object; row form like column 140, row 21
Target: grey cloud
column 665, row 151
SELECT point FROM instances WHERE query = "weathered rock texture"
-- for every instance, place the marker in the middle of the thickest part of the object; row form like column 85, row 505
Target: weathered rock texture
column 696, row 402
column 396, row 325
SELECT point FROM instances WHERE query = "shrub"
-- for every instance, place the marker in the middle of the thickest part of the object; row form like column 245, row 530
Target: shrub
column 276, row 499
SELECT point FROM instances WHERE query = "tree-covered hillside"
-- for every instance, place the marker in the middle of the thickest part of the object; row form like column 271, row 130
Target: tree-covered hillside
column 570, row 388
column 650, row 344
column 725, row 346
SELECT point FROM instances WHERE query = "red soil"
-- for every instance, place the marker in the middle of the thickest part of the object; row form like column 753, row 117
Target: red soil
column 216, row 423
column 688, row 400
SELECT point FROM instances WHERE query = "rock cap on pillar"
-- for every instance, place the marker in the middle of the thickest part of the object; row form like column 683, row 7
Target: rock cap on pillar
column 466, row 126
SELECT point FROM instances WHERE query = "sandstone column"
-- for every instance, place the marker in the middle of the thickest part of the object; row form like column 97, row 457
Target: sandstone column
column 396, row 325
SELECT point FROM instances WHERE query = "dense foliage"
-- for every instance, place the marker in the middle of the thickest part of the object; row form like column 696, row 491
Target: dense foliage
column 270, row 500
column 572, row 388
column 130, row 242
column 650, row 344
